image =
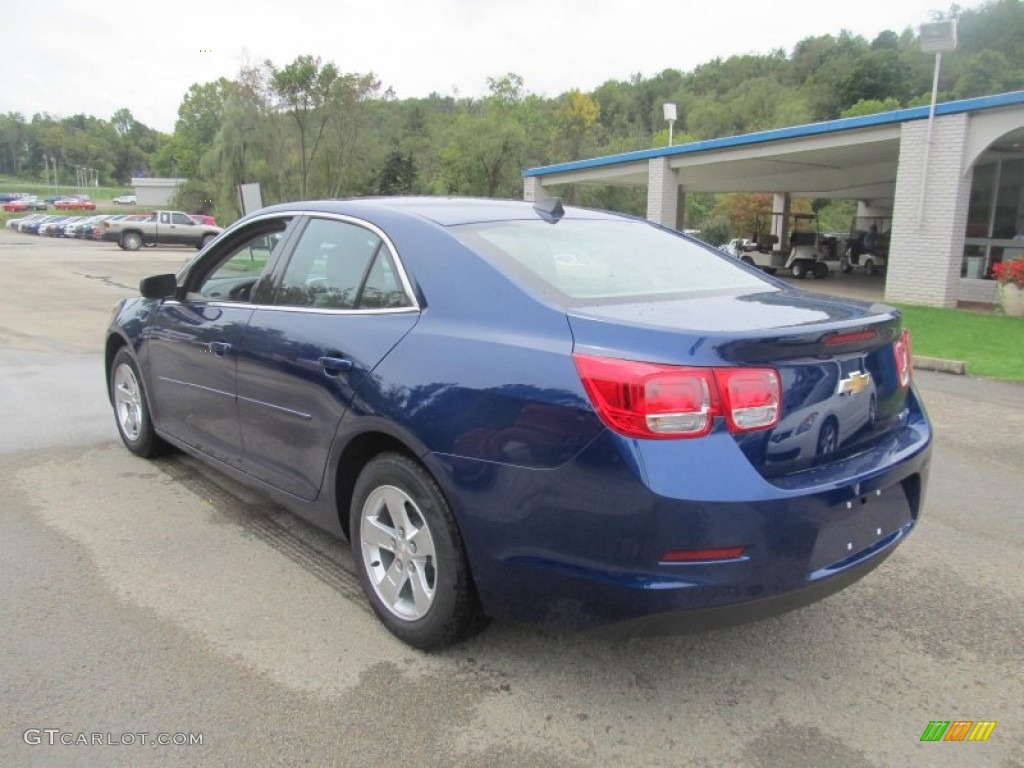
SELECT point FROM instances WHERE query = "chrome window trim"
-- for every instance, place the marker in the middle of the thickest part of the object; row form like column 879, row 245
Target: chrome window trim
column 410, row 294
column 307, row 310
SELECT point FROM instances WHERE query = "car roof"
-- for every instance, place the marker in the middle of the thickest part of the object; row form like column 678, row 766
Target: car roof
column 446, row 211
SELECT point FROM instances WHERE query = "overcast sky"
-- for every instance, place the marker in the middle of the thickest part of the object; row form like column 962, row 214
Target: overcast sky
column 68, row 57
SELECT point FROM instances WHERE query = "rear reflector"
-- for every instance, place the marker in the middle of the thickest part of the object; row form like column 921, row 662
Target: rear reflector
column 702, row 555
column 656, row 401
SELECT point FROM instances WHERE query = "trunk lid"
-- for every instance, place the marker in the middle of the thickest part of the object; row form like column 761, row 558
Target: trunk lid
column 841, row 389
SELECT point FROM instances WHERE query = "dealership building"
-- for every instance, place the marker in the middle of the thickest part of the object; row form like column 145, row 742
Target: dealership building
column 952, row 184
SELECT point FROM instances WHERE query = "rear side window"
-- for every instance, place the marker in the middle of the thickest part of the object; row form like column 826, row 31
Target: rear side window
column 383, row 286
column 340, row 265
column 606, row 259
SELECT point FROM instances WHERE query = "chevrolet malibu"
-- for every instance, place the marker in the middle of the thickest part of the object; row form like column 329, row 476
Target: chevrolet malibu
column 533, row 412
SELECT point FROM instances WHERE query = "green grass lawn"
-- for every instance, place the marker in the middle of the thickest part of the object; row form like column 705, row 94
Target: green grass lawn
column 991, row 345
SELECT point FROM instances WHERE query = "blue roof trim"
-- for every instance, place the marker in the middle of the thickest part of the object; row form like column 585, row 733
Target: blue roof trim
column 795, row 132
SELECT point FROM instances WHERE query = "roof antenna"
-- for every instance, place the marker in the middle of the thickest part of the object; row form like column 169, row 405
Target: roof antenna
column 550, row 209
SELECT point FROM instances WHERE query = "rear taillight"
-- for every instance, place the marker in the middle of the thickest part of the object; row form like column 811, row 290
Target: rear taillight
column 904, row 358
column 654, row 401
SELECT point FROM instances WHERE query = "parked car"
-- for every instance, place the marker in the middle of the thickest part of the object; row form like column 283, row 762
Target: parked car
column 125, row 200
column 16, row 224
column 90, row 226
column 159, row 228
column 531, row 412
column 55, row 227
column 202, row 218
column 81, row 203
column 80, row 226
column 32, row 227
column 25, row 204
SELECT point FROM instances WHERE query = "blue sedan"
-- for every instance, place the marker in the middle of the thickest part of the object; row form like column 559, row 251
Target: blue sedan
column 532, row 412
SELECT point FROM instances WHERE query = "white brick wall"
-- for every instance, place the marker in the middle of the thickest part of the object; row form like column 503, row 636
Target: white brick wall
column 533, row 190
column 662, row 192
column 925, row 255
column 981, row 291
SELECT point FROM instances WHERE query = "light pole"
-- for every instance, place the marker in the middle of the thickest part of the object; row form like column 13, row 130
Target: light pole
column 937, row 37
column 670, row 115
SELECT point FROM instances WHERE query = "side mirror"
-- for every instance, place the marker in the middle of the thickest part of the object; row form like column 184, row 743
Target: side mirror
column 158, row 286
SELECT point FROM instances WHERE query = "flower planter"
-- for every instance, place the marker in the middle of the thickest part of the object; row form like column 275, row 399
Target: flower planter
column 1011, row 296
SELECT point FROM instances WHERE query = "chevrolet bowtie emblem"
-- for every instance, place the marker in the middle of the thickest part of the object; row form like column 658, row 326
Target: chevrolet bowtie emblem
column 854, row 384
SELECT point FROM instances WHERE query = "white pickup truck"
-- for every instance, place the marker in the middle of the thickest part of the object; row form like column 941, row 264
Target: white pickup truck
column 161, row 228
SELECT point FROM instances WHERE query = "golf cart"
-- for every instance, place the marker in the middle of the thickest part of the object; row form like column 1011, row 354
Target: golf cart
column 807, row 253
column 868, row 244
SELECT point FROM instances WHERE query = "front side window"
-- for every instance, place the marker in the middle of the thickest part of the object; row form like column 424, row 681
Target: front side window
column 181, row 218
column 340, row 265
column 234, row 273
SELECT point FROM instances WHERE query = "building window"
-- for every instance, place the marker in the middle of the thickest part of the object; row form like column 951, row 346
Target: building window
column 995, row 217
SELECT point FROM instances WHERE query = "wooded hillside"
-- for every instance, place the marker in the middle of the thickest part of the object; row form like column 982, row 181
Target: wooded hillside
column 307, row 129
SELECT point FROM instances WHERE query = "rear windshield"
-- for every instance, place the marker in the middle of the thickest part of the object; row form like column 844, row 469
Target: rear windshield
column 606, row 259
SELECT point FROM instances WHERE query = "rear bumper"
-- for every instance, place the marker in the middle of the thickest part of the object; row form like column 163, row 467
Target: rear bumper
column 730, row 615
column 581, row 546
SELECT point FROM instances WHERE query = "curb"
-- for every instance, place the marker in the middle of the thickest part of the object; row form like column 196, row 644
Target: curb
column 939, row 364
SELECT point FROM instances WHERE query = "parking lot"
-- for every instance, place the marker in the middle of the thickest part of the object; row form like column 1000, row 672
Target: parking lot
column 159, row 597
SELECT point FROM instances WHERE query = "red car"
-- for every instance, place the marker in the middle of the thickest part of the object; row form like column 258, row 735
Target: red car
column 75, row 204
column 16, row 205
column 202, row 218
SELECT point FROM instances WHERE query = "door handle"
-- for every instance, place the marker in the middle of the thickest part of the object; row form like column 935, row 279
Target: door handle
column 334, row 365
column 220, row 348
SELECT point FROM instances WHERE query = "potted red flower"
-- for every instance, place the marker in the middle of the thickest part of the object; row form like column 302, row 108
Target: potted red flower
column 1010, row 275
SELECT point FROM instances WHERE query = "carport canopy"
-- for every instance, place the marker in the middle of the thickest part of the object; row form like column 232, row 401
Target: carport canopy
column 855, row 158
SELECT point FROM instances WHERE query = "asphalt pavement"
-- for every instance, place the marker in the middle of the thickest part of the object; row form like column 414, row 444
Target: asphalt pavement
column 157, row 600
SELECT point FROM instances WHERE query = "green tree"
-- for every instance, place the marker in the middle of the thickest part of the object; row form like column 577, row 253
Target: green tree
column 199, row 118
column 485, row 143
column 302, row 90
column 879, row 74
column 398, row 174
column 14, row 144
column 351, row 150
column 870, row 107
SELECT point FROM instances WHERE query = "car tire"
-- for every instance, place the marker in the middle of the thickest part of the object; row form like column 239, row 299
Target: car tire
column 869, row 267
column 207, row 239
column 131, row 409
column 798, row 270
column 410, row 557
column 820, row 270
column 747, row 260
column 131, row 241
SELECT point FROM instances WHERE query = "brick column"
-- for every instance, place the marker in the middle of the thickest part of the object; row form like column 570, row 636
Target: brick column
column 925, row 254
column 533, row 190
column 662, row 192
